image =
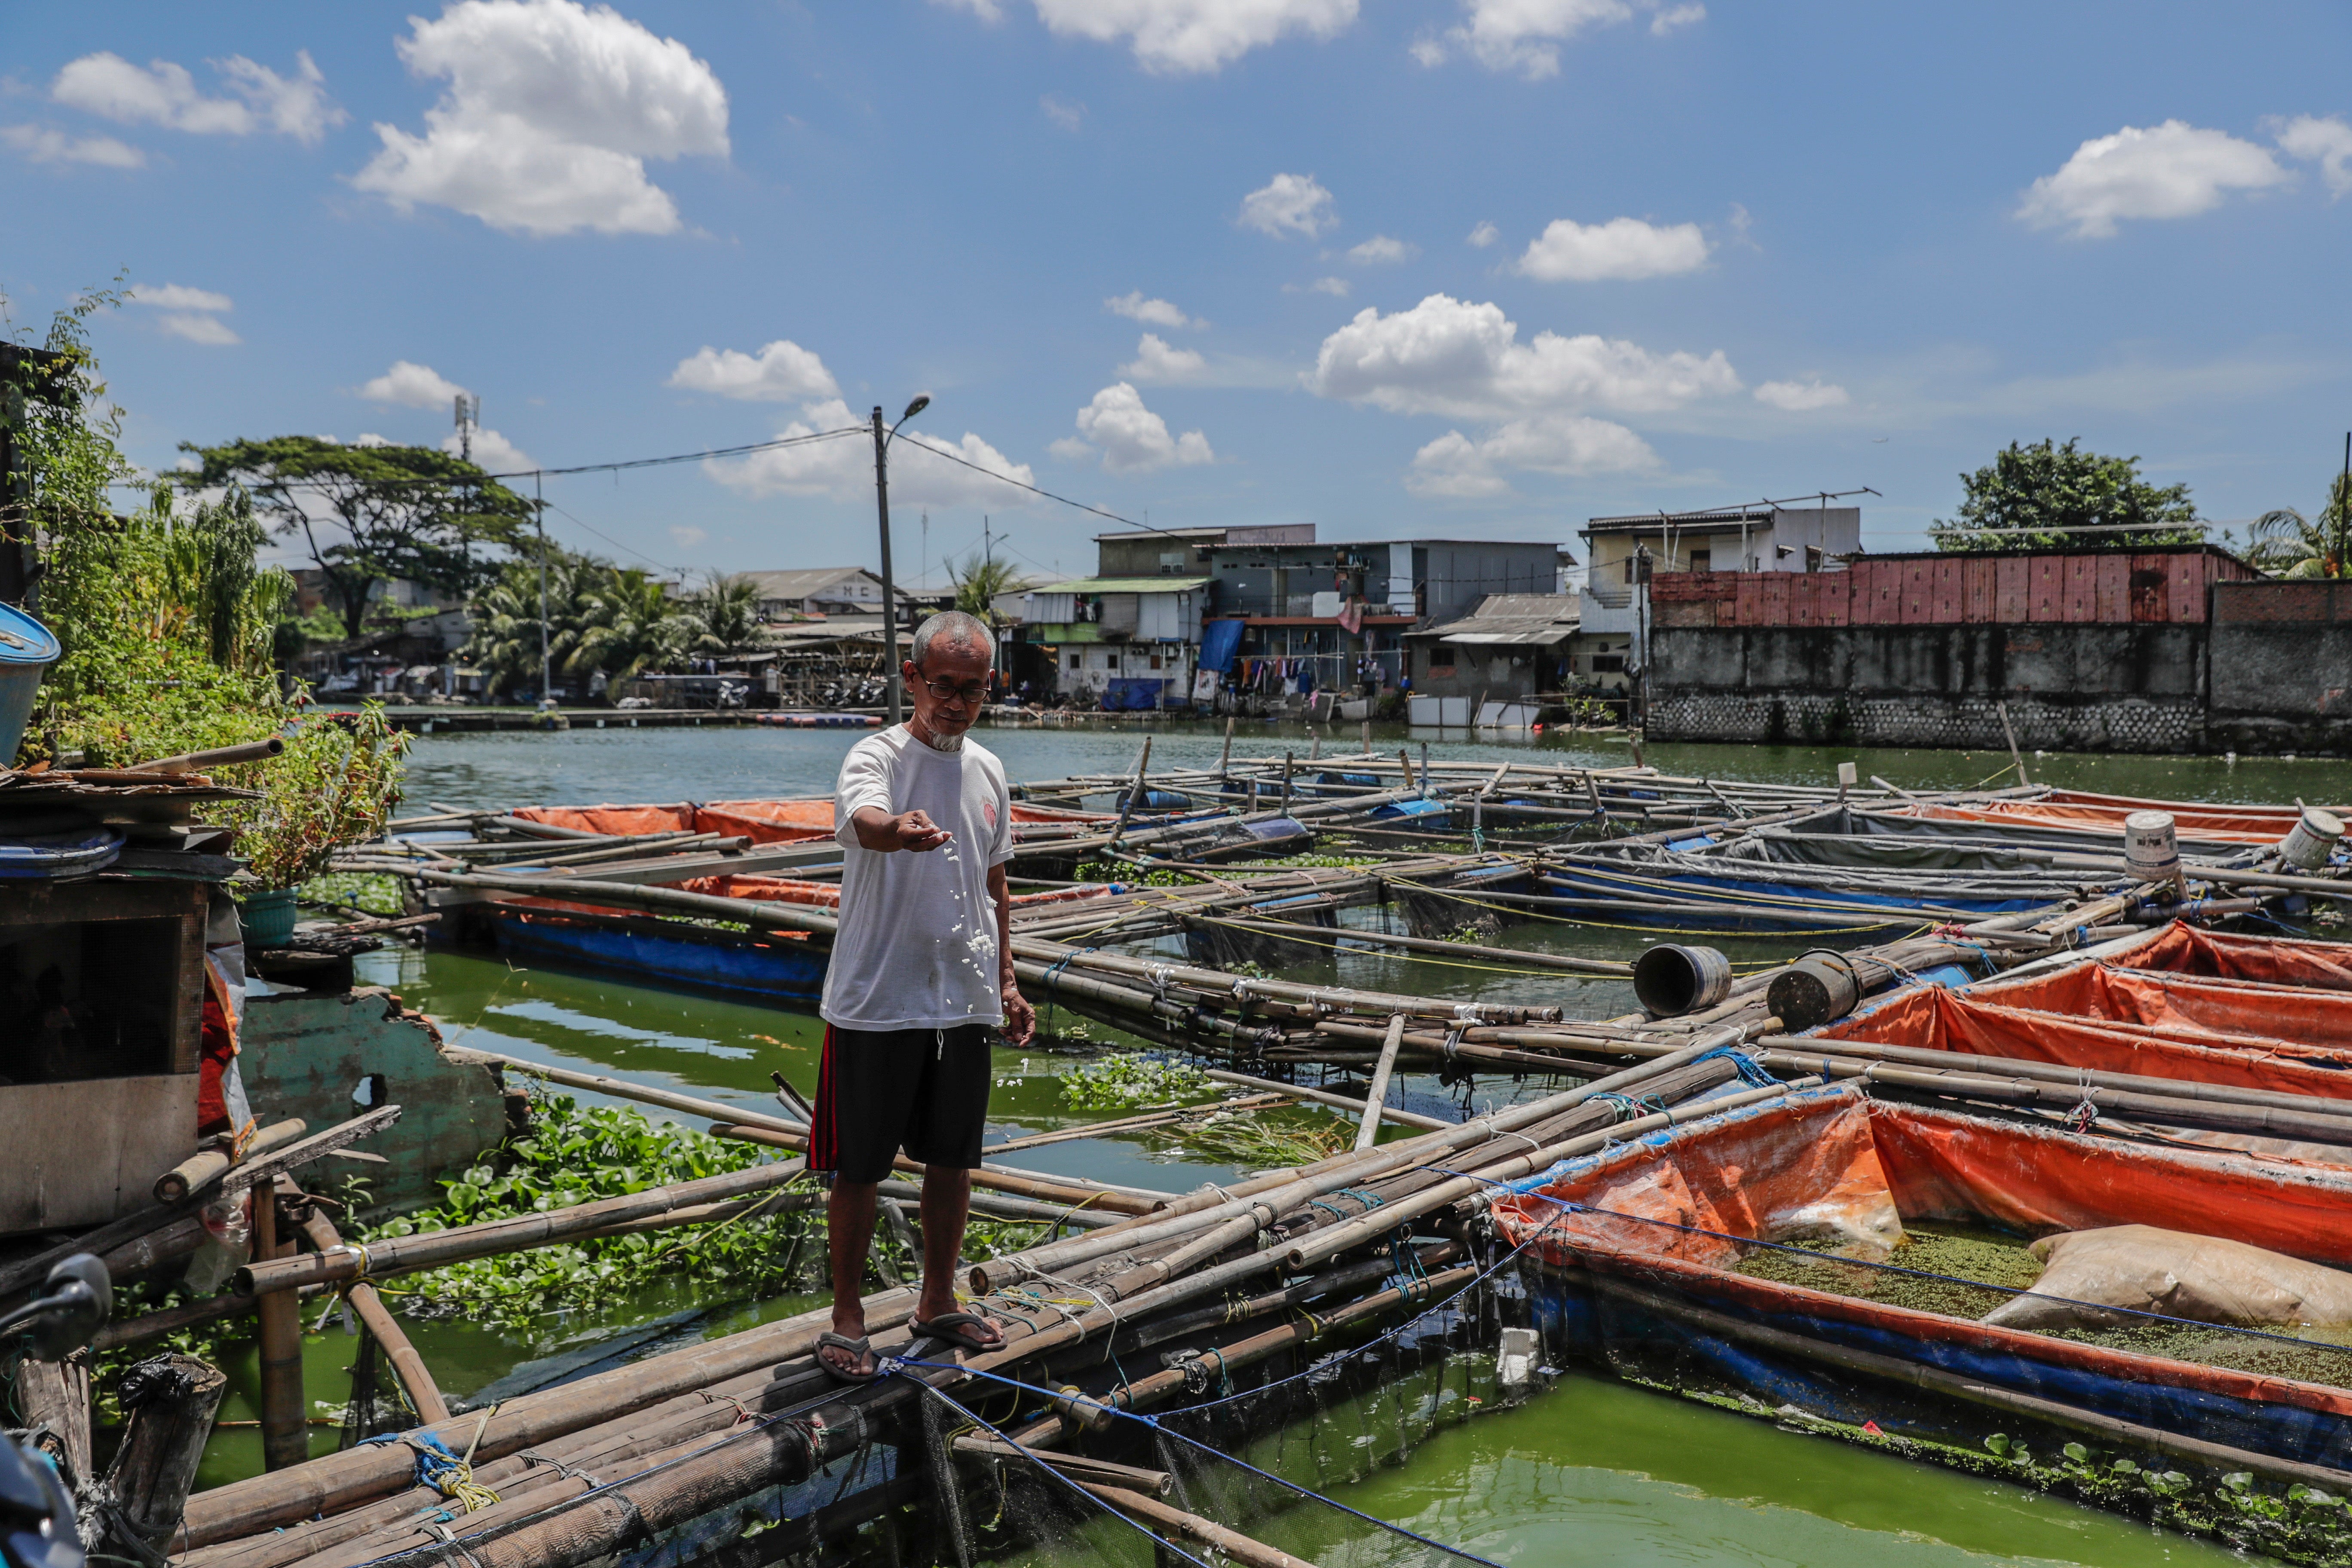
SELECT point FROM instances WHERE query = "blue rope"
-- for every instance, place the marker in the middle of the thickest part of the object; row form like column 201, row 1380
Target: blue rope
column 1751, row 1071
column 889, row 1365
column 897, row 1366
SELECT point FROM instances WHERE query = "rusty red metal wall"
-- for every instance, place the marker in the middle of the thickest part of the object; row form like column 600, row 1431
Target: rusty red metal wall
column 2095, row 588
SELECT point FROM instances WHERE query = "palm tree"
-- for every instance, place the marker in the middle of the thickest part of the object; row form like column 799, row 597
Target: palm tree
column 505, row 643
column 726, row 614
column 980, row 580
column 633, row 624
column 2289, row 545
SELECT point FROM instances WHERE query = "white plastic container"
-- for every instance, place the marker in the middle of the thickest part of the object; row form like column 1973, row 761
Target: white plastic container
column 2311, row 840
column 2151, row 845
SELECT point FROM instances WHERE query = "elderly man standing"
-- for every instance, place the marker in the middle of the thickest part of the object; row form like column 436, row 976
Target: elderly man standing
column 921, row 970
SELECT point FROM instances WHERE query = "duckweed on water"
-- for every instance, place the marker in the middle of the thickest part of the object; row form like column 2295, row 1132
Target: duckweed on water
column 2310, row 1354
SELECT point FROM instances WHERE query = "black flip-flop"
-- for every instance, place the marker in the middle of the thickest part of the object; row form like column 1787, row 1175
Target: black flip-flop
column 956, row 1329
column 860, row 1349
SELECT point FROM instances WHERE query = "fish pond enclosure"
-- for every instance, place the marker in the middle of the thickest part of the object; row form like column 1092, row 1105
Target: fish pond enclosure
column 1432, row 1151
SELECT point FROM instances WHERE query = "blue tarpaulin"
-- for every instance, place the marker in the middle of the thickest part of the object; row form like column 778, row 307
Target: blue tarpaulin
column 1218, row 641
column 1132, row 694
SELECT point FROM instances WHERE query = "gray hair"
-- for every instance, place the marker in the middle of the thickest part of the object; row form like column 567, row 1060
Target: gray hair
column 955, row 628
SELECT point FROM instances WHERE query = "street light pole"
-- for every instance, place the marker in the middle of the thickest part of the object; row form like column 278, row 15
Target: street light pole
column 882, row 438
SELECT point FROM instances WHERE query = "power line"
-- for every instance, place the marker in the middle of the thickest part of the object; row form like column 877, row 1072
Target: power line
column 938, row 452
column 614, row 543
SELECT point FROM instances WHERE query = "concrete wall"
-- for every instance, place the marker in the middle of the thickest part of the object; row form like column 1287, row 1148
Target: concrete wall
column 2269, row 671
column 2072, row 687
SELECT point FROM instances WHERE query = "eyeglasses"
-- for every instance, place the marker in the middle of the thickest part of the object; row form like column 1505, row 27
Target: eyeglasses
column 968, row 695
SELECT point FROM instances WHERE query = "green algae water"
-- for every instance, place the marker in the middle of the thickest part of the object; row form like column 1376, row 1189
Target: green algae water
column 1592, row 1470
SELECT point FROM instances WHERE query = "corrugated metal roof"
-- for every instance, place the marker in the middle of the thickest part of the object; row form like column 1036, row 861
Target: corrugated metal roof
column 1522, row 620
column 1123, row 585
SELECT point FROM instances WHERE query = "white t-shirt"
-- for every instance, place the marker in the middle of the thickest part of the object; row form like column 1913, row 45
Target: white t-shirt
column 916, row 948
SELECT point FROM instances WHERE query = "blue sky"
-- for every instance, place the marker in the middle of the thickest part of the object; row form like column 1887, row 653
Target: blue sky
column 1462, row 268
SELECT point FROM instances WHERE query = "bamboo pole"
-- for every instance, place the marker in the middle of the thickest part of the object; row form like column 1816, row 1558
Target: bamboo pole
column 1065, row 1190
column 1377, row 1095
column 424, row 1394
column 437, row 1249
column 285, row 1434
column 1322, row 1097
column 1312, row 936
column 1176, row 1522
column 619, row 1087
column 207, row 1166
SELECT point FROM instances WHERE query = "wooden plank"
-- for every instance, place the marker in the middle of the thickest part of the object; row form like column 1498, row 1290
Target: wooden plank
column 2111, row 581
column 2012, row 591
column 85, row 1152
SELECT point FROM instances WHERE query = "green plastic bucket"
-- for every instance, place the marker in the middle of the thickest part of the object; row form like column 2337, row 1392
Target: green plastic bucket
column 267, row 916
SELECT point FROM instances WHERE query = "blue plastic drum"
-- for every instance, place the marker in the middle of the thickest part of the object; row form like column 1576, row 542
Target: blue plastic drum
column 27, row 648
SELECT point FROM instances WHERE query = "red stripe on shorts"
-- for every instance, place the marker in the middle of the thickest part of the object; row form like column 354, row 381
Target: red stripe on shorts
column 824, row 1138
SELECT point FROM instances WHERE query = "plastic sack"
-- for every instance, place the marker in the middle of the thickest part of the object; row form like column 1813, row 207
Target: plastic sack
column 2176, row 1274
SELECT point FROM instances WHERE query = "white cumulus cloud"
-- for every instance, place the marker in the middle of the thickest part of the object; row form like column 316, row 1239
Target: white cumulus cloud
column 685, row 536
column 1526, row 36
column 1156, row 361
column 1338, row 286
column 164, row 93
column 2172, row 170
column 551, row 112
column 2328, row 142
column 190, row 313
column 782, row 371
column 412, row 386
column 493, row 453
column 843, row 468
column 1181, row 37
column 46, row 144
column 1485, row 234
column 1066, row 112
column 210, row 331
column 1150, row 313
column 173, row 297
column 1130, row 437
column 1381, row 251
column 1574, row 444
column 1568, row 252
column 1287, row 204
column 1797, row 396
column 1451, row 357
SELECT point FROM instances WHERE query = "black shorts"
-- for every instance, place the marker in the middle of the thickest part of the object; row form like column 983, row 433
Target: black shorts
column 880, row 1090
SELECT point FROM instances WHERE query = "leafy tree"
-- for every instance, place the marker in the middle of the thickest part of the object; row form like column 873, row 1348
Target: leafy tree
column 2046, row 487
column 2287, row 543
column 979, row 579
column 632, row 625
column 726, row 611
column 167, row 624
column 371, row 515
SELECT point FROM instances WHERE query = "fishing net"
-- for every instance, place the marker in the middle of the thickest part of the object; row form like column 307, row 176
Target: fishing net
column 377, row 1405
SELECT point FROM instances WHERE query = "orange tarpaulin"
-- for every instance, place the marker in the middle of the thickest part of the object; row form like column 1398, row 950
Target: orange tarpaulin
column 2212, row 825
column 1931, row 1017
column 2182, row 948
column 761, row 821
column 2182, row 1005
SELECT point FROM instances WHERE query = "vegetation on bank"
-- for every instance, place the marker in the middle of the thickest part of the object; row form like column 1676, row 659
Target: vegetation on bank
column 171, row 634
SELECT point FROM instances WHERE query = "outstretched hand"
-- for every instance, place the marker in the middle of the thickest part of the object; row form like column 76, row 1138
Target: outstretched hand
column 915, row 830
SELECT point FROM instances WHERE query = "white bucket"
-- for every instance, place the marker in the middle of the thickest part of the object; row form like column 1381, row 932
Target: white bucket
column 2152, row 847
column 2311, row 840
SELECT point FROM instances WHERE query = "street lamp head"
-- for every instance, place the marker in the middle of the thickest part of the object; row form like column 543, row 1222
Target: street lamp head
column 922, row 401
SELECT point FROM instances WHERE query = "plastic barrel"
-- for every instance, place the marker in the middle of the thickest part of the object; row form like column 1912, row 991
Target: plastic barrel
column 2311, row 840
column 1671, row 979
column 2152, row 847
column 27, row 648
column 1818, row 988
